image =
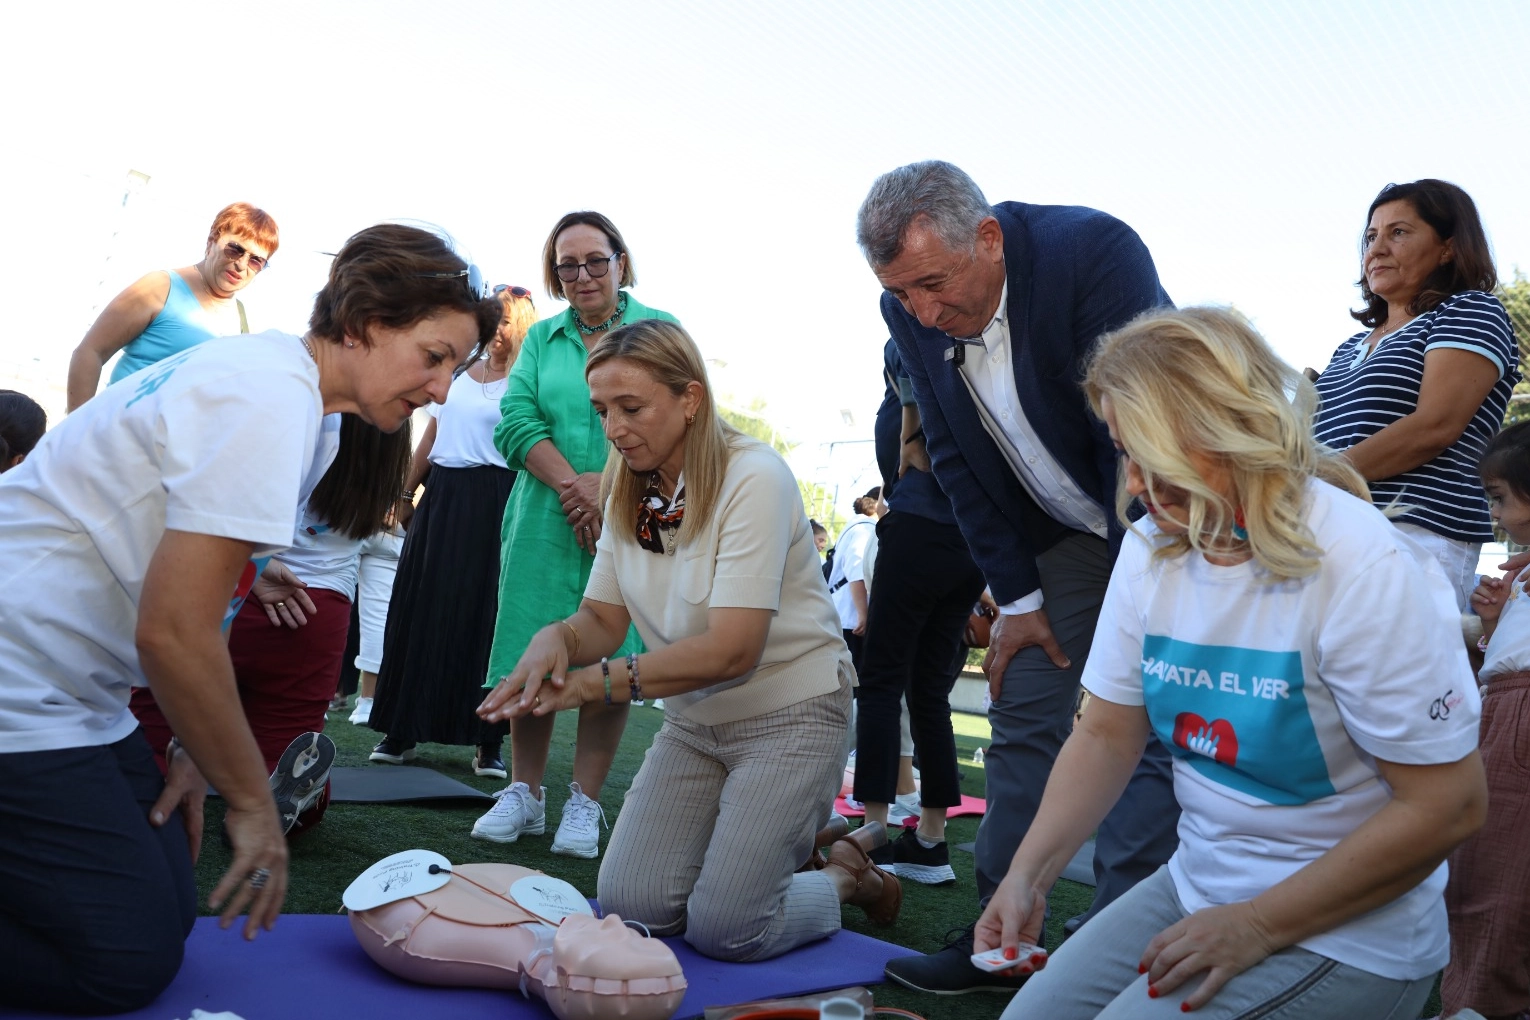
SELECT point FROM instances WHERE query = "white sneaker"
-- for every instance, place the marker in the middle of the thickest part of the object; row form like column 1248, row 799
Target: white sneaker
column 516, row 813
column 362, row 712
column 579, row 831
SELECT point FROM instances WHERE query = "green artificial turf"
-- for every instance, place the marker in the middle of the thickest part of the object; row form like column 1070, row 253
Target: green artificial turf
column 353, row 836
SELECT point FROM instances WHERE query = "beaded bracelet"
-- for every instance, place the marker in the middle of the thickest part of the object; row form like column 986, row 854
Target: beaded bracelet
column 632, row 678
column 605, row 673
column 574, row 632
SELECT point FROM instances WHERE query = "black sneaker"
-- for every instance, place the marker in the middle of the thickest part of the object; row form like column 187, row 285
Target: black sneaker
column 927, row 866
column 882, row 857
column 393, row 751
column 298, row 782
column 950, row 971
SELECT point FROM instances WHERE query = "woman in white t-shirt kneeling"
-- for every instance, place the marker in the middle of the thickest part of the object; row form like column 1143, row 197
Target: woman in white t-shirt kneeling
column 129, row 538
column 707, row 550
column 1294, row 653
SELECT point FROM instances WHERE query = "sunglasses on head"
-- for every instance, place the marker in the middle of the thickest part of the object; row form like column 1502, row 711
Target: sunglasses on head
column 519, row 292
column 472, row 275
column 236, row 252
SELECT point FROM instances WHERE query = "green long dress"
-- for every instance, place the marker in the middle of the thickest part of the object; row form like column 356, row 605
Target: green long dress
column 542, row 570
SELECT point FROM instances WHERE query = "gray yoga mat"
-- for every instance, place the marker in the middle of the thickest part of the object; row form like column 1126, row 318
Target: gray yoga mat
column 1080, row 869
column 391, row 784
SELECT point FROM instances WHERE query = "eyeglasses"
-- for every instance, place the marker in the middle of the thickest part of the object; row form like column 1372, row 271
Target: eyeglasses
column 568, row 272
column 237, row 252
column 519, row 292
column 477, row 288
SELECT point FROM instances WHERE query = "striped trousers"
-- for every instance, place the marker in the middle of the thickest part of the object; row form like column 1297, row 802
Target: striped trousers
column 716, row 824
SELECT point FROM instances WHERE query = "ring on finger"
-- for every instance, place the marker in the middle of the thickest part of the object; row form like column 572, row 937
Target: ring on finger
column 281, row 605
column 259, row 877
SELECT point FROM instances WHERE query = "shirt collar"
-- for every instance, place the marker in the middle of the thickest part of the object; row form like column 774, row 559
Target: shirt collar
column 996, row 330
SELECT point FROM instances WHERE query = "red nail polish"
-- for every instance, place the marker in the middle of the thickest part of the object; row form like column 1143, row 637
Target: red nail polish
column 1152, row 992
column 1184, row 1007
column 1010, row 952
column 1141, row 968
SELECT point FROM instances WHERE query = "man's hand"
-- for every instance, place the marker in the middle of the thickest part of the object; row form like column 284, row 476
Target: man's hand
column 1012, row 633
column 913, row 454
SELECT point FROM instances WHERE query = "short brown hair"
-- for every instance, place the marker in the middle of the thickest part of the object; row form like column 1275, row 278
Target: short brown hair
column 1453, row 215
column 589, row 219
column 244, row 220
column 394, row 275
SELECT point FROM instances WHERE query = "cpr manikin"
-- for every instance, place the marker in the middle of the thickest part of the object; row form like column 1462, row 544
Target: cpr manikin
column 505, row 926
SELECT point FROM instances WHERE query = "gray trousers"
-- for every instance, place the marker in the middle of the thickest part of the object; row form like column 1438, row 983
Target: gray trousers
column 1032, row 718
column 1094, row 977
column 716, row 824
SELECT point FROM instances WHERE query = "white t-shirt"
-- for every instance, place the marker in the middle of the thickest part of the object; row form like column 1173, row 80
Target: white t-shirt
column 465, row 424
column 322, row 557
column 1274, row 698
column 222, row 439
column 850, row 565
column 1509, row 649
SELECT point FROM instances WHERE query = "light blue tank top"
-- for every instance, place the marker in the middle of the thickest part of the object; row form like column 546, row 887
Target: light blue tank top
column 182, row 323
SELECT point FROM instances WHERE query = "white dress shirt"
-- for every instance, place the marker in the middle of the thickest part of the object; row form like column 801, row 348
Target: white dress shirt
column 989, row 374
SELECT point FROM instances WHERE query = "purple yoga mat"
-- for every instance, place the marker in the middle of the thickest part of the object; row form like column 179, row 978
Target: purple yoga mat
column 311, row 966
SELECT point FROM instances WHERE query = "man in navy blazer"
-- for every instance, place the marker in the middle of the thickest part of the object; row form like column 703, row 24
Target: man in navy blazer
column 994, row 310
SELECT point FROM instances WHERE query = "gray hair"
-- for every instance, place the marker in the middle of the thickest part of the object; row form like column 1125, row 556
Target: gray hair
column 933, row 190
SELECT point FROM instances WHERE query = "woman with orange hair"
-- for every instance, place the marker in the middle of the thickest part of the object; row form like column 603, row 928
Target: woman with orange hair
column 170, row 310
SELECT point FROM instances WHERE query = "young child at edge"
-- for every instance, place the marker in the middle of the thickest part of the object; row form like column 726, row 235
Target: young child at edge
column 1488, row 897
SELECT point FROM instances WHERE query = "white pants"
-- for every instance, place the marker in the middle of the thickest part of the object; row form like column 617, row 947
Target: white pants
column 374, row 588
column 1457, row 558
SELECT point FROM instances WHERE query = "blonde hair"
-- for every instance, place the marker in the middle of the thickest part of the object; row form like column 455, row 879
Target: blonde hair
column 670, row 357
column 522, row 313
column 1201, row 380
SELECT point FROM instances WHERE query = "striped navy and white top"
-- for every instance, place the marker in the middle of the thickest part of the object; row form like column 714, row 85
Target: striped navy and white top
column 1362, row 395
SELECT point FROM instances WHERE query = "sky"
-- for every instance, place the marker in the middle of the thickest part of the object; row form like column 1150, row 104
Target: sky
column 732, row 145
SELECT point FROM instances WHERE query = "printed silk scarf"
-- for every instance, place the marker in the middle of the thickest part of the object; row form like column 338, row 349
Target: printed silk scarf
column 656, row 514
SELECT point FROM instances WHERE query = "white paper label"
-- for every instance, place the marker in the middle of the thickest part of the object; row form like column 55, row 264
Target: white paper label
column 393, row 878
column 551, row 899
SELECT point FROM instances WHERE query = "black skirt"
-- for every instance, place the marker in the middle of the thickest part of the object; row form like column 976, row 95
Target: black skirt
column 441, row 615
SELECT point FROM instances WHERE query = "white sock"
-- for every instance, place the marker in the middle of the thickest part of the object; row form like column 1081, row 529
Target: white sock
column 928, row 844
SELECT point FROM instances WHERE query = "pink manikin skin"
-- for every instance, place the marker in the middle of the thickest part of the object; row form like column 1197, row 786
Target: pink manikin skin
column 461, row 934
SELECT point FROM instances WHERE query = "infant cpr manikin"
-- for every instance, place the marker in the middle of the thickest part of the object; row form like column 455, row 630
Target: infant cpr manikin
column 445, row 924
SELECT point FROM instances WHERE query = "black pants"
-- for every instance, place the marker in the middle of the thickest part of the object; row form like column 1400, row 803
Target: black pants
column 922, row 595
column 95, row 903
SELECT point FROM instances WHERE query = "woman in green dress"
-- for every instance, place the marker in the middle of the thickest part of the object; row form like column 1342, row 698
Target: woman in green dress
column 552, row 436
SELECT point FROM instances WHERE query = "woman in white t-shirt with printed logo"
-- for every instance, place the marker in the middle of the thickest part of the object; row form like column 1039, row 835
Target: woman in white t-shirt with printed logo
column 1286, row 645
column 128, row 539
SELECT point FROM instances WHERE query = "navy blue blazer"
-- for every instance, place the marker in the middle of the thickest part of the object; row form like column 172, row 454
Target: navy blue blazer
column 1074, row 274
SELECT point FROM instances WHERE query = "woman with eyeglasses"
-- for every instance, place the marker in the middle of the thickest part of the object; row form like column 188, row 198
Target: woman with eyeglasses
column 129, row 539
column 550, row 432
column 168, row 311
column 441, row 614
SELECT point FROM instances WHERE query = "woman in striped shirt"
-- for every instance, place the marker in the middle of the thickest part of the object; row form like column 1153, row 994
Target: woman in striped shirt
column 1413, row 399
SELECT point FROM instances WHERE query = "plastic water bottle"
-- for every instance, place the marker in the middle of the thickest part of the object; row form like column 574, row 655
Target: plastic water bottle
column 977, row 756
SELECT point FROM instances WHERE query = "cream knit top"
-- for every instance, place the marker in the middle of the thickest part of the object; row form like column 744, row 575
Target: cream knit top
column 757, row 553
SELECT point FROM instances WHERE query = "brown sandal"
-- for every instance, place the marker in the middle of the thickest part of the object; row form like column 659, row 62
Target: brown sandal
column 838, row 828
column 876, row 892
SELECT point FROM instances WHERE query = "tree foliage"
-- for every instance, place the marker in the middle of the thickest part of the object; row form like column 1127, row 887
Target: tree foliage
column 1515, row 296
column 817, row 501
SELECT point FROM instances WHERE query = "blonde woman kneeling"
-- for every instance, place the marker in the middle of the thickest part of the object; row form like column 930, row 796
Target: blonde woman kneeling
column 1293, row 652
column 707, row 550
